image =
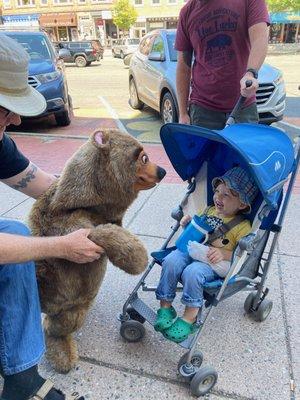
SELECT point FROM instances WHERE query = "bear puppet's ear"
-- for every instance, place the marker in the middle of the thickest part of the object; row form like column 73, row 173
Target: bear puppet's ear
column 99, row 139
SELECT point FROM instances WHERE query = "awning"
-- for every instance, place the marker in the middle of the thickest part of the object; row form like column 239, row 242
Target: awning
column 58, row 19
column 285, row 17
column 20, row 18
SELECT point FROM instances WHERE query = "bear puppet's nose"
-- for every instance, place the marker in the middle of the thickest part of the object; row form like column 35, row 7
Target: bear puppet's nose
column 161, row 173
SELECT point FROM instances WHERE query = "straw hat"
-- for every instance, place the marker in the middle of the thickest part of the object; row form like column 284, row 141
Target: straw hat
column 15, row 93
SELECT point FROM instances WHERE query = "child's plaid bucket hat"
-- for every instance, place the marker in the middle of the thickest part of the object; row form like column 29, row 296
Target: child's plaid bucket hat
column 238, row 180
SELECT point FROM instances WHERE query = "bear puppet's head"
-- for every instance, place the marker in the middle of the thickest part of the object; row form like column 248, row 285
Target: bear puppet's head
column 110, row 168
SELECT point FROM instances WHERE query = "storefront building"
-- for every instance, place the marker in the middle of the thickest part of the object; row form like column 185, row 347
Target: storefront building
column 285, row 27
column 60, row 26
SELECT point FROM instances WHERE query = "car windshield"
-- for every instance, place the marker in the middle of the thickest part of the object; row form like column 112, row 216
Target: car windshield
column 35, row 45
column 171, row 44
column 133, row 41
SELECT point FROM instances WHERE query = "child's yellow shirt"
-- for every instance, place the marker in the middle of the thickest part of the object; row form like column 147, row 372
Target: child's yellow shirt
column 235, row 234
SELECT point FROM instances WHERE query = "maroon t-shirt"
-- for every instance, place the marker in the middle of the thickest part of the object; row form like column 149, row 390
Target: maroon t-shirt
column 217, row 31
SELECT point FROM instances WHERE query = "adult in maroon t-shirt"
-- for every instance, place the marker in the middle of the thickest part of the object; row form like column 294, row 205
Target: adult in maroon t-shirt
column 226, row 38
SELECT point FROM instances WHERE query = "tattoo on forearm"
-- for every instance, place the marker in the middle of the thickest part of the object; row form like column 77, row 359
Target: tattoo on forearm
column 187, row 57
column 30, row 175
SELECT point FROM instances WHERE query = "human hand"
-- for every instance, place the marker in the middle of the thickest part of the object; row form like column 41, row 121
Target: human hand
column 185, row 220
column 215, row 255
column 79, row 249
column 184, row 119
column 251, row 90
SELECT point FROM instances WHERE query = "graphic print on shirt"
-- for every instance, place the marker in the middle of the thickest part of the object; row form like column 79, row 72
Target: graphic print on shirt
column 215, row 36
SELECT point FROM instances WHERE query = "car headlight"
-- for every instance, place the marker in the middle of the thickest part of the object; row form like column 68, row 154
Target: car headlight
column 279, row 80
column 48, row 77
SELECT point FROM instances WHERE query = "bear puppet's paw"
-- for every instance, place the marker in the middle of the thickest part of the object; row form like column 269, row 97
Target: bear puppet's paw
column 122, row 248
column 61, row 352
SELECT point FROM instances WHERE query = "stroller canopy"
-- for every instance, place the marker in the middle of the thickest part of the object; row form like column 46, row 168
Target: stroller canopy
column 265, row 152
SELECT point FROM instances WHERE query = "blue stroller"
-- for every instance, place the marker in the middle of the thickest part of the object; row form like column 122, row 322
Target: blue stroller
column 198, row 155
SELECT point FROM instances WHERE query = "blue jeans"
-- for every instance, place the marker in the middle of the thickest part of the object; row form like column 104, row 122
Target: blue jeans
column 180, row 267
column 21, row 336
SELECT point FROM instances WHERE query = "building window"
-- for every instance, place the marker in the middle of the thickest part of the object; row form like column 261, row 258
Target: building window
column 44, row 2
column 62, row 2
column 155, row 2
column 172, row 1
column 6, row 4
column 138, row 2
column 26, row 3
column 81, row 1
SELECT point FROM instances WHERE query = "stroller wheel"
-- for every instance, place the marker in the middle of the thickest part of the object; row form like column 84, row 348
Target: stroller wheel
column 132, row 331
column 203, row 381
column 196, row 362
column 133, row 314
column 263, row 311
column 249, row 302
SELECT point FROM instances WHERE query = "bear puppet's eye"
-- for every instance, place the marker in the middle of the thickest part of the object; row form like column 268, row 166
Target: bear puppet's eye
column 145, row 158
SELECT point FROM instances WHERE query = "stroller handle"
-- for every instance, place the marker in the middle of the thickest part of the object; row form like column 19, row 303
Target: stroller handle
column 237, row 107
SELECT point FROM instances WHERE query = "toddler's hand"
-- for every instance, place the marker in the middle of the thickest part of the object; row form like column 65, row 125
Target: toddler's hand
column 185, row 220
column 215, row 255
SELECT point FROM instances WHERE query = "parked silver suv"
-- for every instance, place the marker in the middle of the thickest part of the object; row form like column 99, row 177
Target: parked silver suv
column 123, row 47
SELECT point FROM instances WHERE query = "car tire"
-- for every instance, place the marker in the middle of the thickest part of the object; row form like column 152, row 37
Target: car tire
column 134, row 100
column 113, row 54
column 168, row 109
column 88, row 63
column 80, row 61
column 63, row 118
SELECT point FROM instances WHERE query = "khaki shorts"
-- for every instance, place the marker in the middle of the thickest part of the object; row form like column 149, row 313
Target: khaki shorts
column 216, row 119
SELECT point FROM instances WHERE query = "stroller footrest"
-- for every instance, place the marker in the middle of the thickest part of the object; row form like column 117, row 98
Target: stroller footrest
column 144, row 310
column 161, row 254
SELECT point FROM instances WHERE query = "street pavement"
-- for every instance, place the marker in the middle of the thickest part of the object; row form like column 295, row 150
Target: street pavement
column 255, row 361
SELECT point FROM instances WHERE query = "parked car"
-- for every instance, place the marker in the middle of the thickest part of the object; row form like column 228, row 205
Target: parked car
column 82, row 53
column 152, row 80
column 123, row 47
column 46, row 73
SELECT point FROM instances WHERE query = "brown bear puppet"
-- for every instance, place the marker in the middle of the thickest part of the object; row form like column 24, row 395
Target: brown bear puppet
column 96, row 187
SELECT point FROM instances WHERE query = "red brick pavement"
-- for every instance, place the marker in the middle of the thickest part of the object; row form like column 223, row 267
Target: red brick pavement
column 292, row 120
column 80, row 126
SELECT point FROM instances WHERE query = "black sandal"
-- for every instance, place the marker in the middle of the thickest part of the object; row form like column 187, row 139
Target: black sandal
column 45, row 389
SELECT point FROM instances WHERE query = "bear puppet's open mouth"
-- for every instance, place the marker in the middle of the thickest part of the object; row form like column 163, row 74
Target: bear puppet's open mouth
column 148, row 174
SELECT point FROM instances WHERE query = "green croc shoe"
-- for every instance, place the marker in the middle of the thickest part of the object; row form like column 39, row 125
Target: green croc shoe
column 164, row 319
column 179, row 330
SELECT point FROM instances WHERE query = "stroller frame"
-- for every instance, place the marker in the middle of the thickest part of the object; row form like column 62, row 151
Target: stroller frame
column 135, row 311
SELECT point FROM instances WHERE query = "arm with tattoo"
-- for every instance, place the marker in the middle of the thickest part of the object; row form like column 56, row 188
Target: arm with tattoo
column 32, row 181
column 183, row 81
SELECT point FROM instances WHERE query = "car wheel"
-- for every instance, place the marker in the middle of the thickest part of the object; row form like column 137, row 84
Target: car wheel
column 63, row 118
column 168, row 110
column 134, row 100
column 113, row 54
column 80, row 61
column 88, row 63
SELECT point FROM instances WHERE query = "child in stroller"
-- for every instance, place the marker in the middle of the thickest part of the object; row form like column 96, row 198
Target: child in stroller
column 199, row 155
column 233, row 194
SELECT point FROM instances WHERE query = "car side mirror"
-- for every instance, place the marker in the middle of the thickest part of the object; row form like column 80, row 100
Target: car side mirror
column 63, row 53
column 156, row 56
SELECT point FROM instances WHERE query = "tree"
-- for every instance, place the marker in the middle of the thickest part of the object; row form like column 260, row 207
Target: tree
column 283, row 5
column 124, row 14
